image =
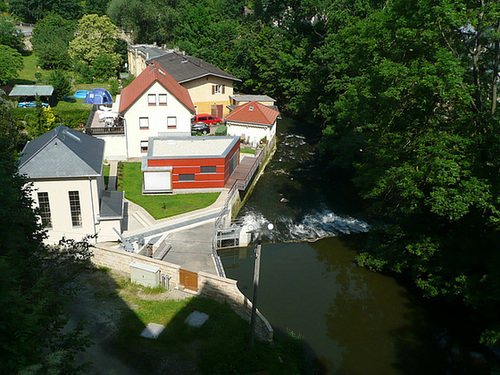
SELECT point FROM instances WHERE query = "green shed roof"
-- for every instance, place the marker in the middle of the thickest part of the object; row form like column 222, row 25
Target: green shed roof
column 31, row 90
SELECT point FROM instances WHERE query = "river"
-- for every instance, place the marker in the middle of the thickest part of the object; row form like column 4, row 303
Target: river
column 353, row 321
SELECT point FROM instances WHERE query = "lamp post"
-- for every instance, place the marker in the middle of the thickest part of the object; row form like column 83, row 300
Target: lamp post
column 256, row 275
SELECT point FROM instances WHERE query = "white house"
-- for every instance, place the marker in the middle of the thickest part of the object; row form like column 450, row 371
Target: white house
column 253, row 122
column 65, row 167
column 153, row 105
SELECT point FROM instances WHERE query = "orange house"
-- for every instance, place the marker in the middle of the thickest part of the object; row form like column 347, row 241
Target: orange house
column 189, row 163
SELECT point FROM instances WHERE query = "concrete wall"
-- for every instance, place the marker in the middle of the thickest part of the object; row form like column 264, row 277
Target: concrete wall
column 115, row 146
column 212, row 286
column 252, row 133
column 157, row 115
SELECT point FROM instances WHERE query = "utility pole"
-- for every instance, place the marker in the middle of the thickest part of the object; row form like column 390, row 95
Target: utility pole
column 256, row 274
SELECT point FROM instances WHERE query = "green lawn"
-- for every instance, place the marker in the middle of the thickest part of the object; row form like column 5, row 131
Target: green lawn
column 247, row 151
column 159, row 206
column 105, row 172
column 27, row 75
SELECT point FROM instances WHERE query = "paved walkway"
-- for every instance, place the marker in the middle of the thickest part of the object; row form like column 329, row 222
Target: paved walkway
column 113, row 172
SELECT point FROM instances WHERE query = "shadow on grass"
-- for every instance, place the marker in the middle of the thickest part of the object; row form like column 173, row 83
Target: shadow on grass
column 117, row 311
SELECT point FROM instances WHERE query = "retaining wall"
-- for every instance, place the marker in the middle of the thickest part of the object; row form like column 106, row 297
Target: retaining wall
column 219, row 288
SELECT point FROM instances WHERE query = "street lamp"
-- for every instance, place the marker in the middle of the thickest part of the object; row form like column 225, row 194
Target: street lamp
column 256, row 274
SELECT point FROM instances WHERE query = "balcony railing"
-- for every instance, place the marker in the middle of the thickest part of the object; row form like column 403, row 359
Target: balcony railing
column 105, row 130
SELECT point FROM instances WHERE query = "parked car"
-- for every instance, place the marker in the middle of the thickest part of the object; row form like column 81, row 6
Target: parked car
column 30, row 105
column 200, row 127
column 206, row 118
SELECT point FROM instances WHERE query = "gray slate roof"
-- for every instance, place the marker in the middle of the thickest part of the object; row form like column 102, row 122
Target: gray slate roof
column 60, row 153
column 111, row 205
column 31, row 90
column 152, row 51
column 249, row 98
column 186, row 68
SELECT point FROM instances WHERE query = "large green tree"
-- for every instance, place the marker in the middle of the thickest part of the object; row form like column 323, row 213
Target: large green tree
column 51, row 37
column 95, row 36
column 409, row 99
column 11, row 63
column 10, row 35
column 34, row 10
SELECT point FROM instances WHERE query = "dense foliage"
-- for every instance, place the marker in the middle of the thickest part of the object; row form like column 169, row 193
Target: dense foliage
column 11, row 63
column 37, row 280
column 50, row 39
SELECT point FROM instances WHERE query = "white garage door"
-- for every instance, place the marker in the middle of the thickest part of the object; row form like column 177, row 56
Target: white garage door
column 157, row 181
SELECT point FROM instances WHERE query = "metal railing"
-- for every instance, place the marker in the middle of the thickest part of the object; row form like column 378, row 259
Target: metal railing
column 218, row 226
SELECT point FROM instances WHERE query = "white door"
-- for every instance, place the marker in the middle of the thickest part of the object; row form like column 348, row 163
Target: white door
column 157, row 181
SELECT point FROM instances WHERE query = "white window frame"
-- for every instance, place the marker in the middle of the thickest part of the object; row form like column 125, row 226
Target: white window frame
column 162, row 99
column 171, row 122
column 144, row 122
column 151, row 99
column 144, row 146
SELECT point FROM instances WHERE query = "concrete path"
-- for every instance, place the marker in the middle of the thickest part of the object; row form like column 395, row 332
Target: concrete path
column 190, row 234
column 113, row 173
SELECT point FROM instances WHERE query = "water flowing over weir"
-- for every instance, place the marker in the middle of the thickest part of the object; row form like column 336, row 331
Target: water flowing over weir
column 352, row 321
column 313, row 226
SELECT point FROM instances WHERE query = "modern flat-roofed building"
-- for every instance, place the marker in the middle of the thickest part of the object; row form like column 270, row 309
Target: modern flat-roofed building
column 189, row 163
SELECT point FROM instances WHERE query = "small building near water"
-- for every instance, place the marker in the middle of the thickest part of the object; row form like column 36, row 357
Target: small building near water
column 253, row 122
column 189, row 163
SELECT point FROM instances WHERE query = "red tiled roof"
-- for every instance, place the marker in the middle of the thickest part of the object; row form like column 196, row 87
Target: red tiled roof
column 253, row 112
column 151, row 74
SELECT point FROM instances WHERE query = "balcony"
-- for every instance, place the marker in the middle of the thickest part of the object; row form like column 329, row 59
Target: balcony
column 102, row 121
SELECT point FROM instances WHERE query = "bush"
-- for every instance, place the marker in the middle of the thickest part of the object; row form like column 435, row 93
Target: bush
column 61, row 83
column 221, row 130
column 72, row 118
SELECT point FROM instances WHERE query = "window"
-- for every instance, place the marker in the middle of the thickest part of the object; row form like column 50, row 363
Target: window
column 186, row 177
column 171, row 122
column 218, row 89
column 74, row 205
column 144, row 122
column 151, row 99
column 144, row 146
column 162, row 99
column 208, row 169
column 44, row 206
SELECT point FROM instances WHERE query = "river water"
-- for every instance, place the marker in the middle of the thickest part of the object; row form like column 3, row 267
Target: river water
column 353, row 321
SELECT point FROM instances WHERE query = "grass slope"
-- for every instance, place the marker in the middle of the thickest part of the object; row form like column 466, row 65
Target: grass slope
column 159, row 206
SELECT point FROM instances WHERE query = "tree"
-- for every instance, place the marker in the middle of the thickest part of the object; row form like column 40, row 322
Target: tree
column 34, row 10
column 51, row 37
column 11, row 63
column 10, row 35
column 409, row 97
column 95, row 36
column 61, row 83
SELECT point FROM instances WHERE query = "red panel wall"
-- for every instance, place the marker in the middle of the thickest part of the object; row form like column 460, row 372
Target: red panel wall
column 192, row 166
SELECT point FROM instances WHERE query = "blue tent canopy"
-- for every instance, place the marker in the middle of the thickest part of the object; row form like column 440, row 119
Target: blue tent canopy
column 98, row 96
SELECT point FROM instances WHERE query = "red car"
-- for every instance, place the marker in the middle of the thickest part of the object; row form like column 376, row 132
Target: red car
column 206, row 118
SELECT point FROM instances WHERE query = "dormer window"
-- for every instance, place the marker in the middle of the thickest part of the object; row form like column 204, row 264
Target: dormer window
column 250, row 108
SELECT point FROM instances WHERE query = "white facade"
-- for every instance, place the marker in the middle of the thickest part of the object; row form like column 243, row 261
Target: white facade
column 252, row 133
column 77, row 220
column 155, row 113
